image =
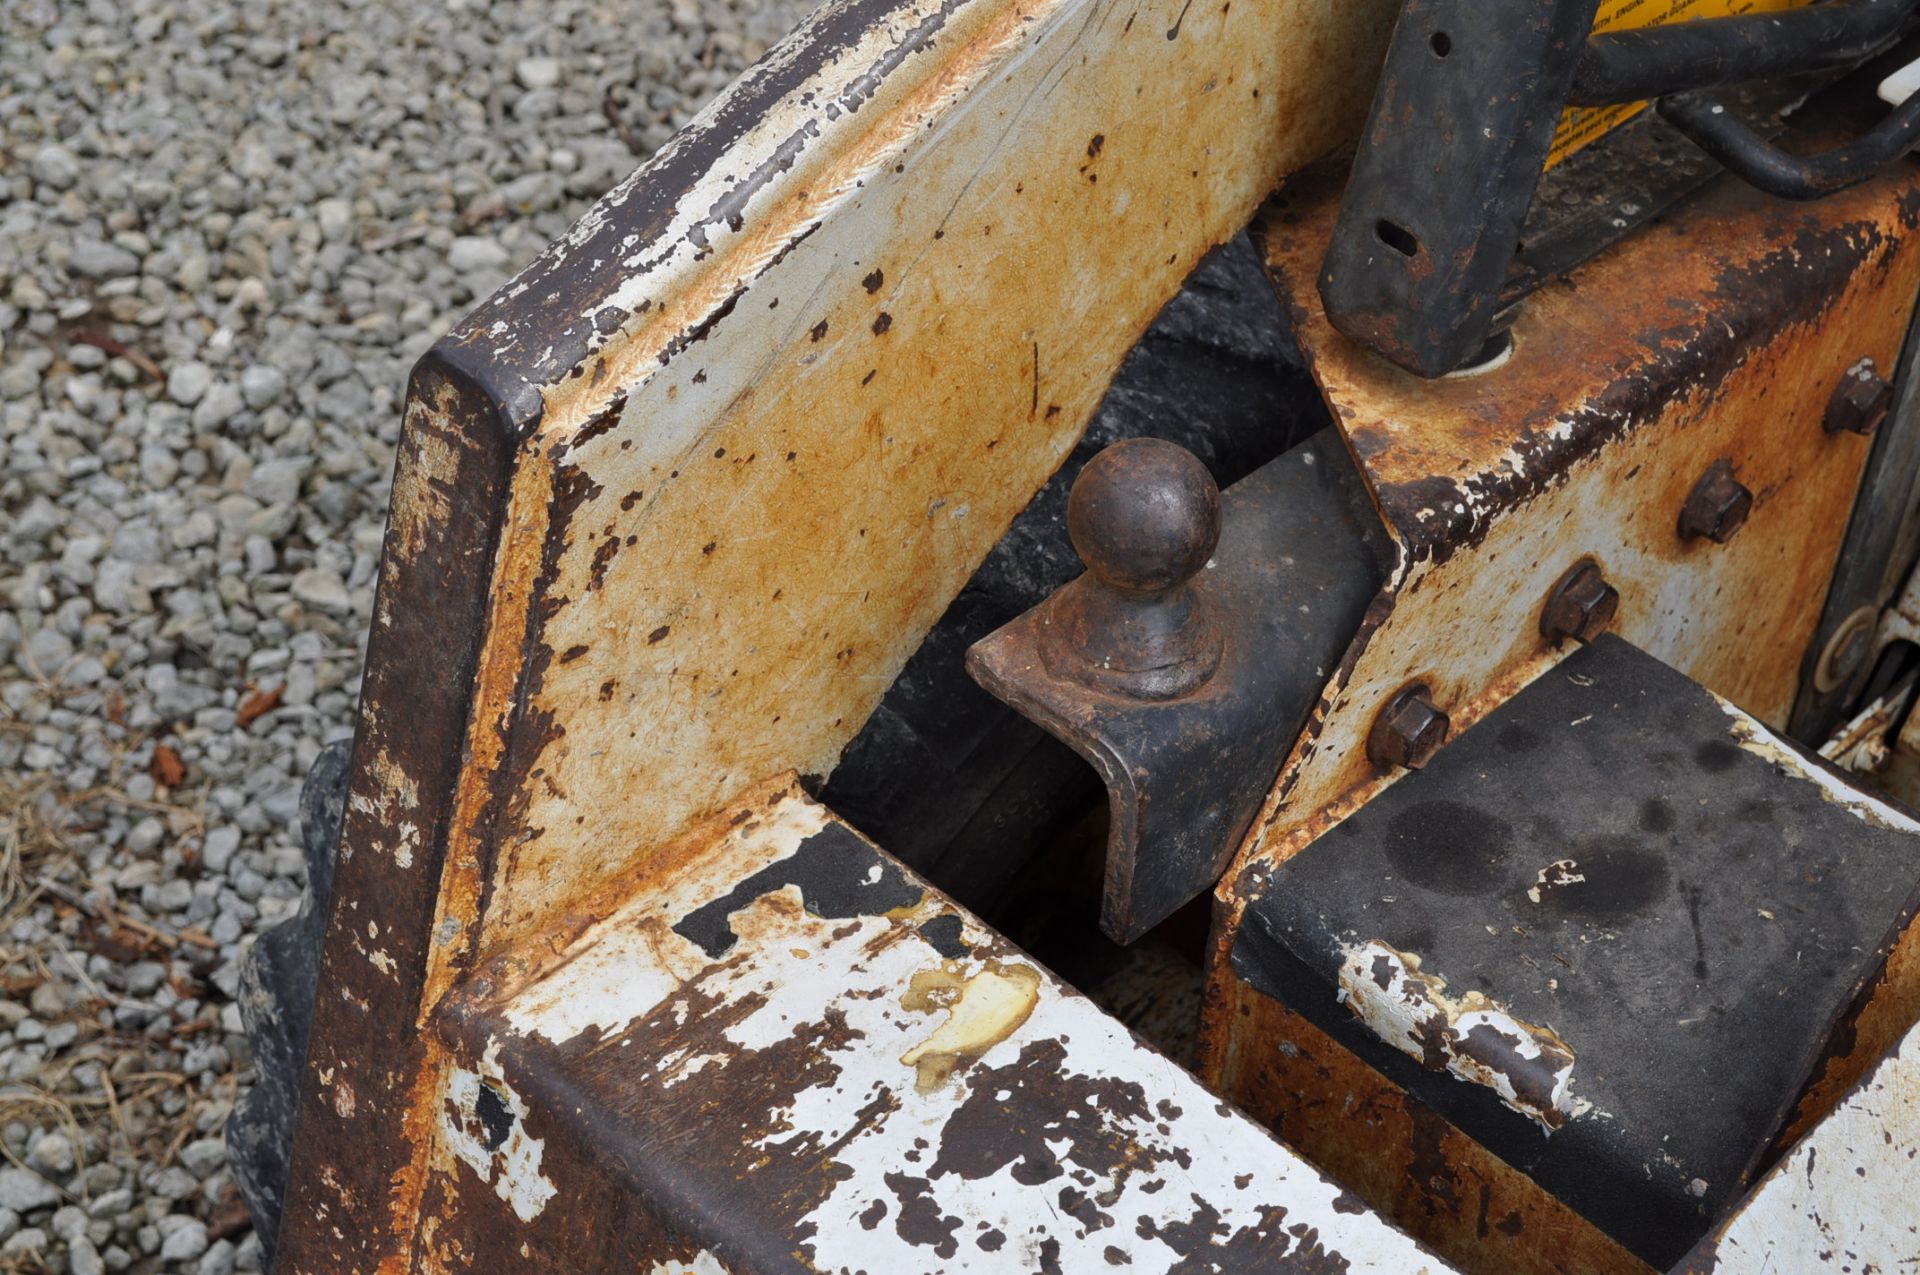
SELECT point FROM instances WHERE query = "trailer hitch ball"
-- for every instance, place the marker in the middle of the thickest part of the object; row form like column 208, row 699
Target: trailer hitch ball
column 1144, row 516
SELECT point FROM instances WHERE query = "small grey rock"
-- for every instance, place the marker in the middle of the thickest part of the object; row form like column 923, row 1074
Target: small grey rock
column 24, row 1191
column 221, row 1259
column 323, row 590
column 51, row 1155
column 261, row 385
column 55, row 166
column 84, row 1259
column 48, row 651
column 205, row 1157
column 98, row 260
column 220, row 404
column 188, row 382
column 335, row 217
column 537, row 73
column 473, row 253
column 186, row 1243
column 216, row 852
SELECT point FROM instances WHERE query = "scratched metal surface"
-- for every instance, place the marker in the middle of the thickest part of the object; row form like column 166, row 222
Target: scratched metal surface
column 1611, row 933
column 1844, row 1199
column 799, row 1057
column 674, row 507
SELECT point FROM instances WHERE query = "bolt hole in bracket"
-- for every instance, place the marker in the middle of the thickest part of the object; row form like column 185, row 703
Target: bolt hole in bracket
column 1453, row 262
column 1184, row 662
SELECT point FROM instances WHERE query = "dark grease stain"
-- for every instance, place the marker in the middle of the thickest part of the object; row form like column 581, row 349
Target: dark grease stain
column 1448, row 847
column 1656, row 815
column 1691, row 893
column 1716, row 756
column 1515, row 738
column 494, row 1116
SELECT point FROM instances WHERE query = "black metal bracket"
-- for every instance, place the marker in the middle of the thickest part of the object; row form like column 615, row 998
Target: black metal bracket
column 1420, row 265
column 1454, row 146
column 1184, row 677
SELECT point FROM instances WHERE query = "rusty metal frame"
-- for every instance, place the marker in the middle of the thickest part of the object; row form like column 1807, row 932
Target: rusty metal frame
column 1843, row 1198
column 625, row 577
column 797, row 1056
column 1583, row 444
column 627, row 586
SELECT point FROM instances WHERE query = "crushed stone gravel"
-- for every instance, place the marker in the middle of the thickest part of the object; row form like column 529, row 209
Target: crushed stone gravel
column 226, row 232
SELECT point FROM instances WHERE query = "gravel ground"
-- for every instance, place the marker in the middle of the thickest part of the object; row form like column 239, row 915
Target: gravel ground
column 226, row 231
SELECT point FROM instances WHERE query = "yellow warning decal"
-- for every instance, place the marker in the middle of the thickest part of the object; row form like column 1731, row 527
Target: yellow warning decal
column 1583, row 124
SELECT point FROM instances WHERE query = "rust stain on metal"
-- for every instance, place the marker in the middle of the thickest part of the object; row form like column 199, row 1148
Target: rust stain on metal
column 693, row 532
column 1583, row 444
column 982, row 1010
column 352, row 1199
column 730, row 1081
column 1446, row 1190
column 838, row 444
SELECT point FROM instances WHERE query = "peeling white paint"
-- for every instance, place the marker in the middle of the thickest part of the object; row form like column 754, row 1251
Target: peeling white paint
column 512, row 1169
column 1558, row 873
column 1752, row 735
column 879, row 984
column 703, row 1263
column 1410, row 1010
column 1844, row 1199
column 625, row 966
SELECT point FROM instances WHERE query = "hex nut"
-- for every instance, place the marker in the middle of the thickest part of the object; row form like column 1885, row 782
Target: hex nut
column 1717, row 507
column 1860, row 403
column 1581, row 604
column 1408, row 731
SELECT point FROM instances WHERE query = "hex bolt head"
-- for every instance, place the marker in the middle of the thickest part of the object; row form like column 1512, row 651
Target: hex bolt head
column 1717, row 506
column 1581, row 604
column 1408, row 731
column 1860, row 402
